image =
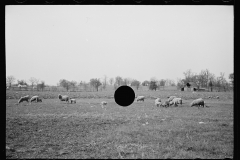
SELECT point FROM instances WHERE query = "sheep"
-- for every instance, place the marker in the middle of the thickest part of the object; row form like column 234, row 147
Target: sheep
column 36, row 98
column 140, row 98
column 171, row 98
column 63, row 98
column 24, row 98
column 72, row 100
column 171, row 103
column 165, row 104
column 157, row 102
column 197, row 102
column 176, row 101
column 103, row 103
column 217, row 97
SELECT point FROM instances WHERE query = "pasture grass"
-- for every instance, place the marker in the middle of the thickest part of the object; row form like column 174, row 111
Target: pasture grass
column 55, row 129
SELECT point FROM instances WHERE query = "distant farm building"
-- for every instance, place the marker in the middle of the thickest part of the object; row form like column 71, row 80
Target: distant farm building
column 190, row 86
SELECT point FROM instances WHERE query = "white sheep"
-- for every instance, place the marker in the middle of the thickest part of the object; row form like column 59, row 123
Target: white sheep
column 63, row 98
column 165, row 104
column 72, row 100
column 177, row 101
column 171, row 98
column 140, row 98
column 197, row 102
column 171, row 103
column 24, row 98
column 36, row 98
column 103, row 103
column 157, row 102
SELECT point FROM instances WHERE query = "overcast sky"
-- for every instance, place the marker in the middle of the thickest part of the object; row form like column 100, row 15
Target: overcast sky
column 81, row 42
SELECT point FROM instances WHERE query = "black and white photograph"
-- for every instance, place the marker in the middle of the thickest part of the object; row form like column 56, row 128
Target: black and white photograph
column 119, row 81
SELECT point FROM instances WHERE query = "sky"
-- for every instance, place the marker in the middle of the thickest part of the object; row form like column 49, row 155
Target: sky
column 80, row 42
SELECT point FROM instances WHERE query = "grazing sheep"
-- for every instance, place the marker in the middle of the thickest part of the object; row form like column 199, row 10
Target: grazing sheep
column 217, row 97
column 63, row 98
column 24, row 98
column 36, row 98
column 157, row 102
column 72, row 100
column 171, row 103
column 177, row 101
column 209, row 96
column 165, row 104
column 103, row 103
column 140, row 98
column 171, row 98
column 197, row 102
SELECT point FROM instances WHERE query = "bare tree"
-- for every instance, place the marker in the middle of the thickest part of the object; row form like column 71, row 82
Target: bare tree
column 145, row 83
column 37, row 82
column 162, row 83
column 127, row 81
column 42, row 85
column 10, row 80
column 118, row 82
column 32, row 81
column 135, row 83
column 65, row 84
column 73, row 85
column 95, row 83
column 111, row 81
column 104, row 83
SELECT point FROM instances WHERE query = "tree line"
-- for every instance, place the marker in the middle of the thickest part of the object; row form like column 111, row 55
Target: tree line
column 203, row 79
column 206, row 79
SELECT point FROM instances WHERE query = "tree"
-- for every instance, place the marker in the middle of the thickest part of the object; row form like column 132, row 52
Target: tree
column 10, row 80
column 36, row 82
column 73, row 84
column 22, row 82
column 104, row 83
column 65, row 84
column 210, row 84
column 162, row 83
column 32, row 81
column 85, row 85
column 145, row 83
column 188, row 75
column 231, row 77
column 223, row 81
column 180, row 83
column 135, row 83
column 111, row 81
column 42, row 85
column 127, row 81
column 153, row 85
column 95, row 83
column 118, row 82
column 211, row 79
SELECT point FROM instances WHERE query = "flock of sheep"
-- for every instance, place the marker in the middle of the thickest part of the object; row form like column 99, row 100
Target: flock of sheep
column 172, row 100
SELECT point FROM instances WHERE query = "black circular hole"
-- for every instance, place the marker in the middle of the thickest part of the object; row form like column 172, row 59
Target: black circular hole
column 124, row 96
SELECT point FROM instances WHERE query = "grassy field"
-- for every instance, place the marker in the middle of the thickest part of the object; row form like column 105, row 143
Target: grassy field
column 54, row 129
